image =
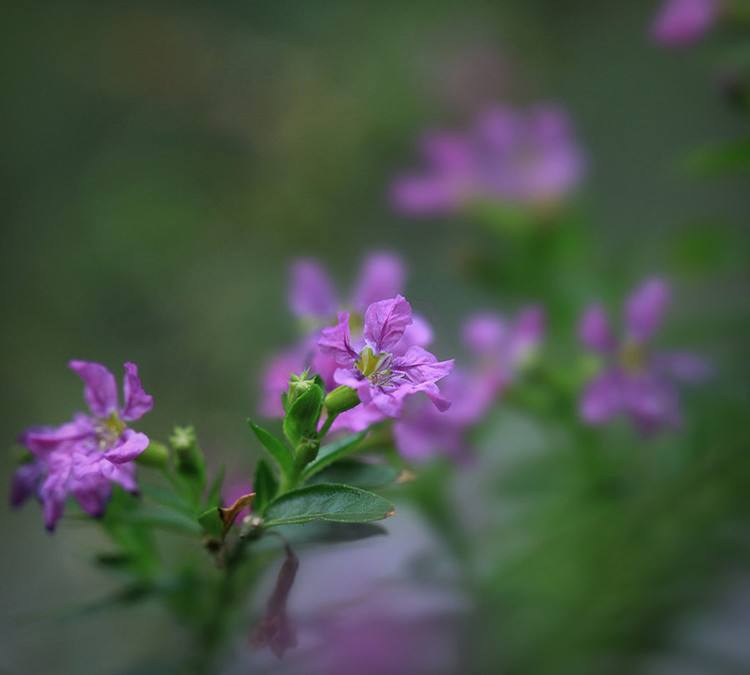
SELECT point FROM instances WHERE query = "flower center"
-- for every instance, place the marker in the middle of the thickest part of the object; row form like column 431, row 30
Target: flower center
column 375, row 367
column 109, row 429
column 633, row 357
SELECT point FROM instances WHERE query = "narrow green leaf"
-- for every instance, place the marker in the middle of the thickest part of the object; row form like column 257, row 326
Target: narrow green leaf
column 335, row 503
column 360, row 474
column 275, row 448
column 265, row 486
column 332, row 452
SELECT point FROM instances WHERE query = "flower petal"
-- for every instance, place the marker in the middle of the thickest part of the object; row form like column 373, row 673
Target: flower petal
column 137, row 401
column 93, row 495
column 419, row 332
column 25, row 482
column 594, row 330
column 602, row 399
column 385, row 323
column 683, row 366
column 336, row 341
column 122, row 474
column 651, row 401
column 645, row 309
column 43, row 440
column 100, row 391
column 382, row 277
column 131, row 444
column 311, row 292
column 53, row 493
column 421, row 366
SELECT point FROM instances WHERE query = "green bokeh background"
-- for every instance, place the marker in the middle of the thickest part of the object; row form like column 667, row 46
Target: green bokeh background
column 162, row 162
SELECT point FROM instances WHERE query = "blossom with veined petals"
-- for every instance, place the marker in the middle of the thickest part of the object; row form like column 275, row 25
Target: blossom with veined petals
column 382, row 367
column 85, row 456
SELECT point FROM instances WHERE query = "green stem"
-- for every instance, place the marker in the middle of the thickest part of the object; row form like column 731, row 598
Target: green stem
column 327, row 425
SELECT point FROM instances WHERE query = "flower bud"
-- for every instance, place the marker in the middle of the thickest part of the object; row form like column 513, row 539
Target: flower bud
column 155, row 455
column 341, row 399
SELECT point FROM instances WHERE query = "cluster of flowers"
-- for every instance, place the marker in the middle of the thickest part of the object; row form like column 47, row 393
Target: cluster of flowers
column 518, row 158
column 378, row 348
column 378, row 351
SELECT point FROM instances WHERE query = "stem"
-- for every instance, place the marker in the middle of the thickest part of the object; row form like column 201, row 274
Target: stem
column 327, row 425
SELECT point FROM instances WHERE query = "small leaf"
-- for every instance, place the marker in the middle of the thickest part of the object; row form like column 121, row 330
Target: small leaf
column 359, row 474
column 332, row 452
column 335, row 503
column 265, row 485
column 275, row 448
column 303, row 414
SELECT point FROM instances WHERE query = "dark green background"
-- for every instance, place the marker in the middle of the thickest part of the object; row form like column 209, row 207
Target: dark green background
column 162, row 162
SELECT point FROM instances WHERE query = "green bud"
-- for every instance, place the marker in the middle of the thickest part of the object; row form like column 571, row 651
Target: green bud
column 341, row 399
column 156, row 455
column 304, row 403
column 298, row 386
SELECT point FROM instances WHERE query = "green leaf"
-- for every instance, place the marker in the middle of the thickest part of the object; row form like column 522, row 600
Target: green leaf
column 275, row 448
column 166, row 498
column 359, row 474
column 302, row 416
column 163, row 519
column 265, row 486
column 335, row 503
column 328, row 454
column 211, row 522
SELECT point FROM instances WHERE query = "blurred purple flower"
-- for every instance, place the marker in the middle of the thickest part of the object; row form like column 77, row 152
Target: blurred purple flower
column 499, row 347
column 382, row 366
column 423, row 432
column 312, row 294
column 635, row 380
column 684, row 22
column 83, row 457
column 503, row 346
column 514, row 157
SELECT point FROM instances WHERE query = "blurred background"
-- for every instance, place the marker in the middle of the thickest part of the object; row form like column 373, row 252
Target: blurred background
column 164, row 162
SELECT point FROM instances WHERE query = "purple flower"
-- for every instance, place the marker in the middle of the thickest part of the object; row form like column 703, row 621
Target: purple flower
column 512, row 157
column 84, row 456
column 636, row 380
column 382, row 366
column 503, row 346
column 684, row 22
column 423, row 432
column 313, row 298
